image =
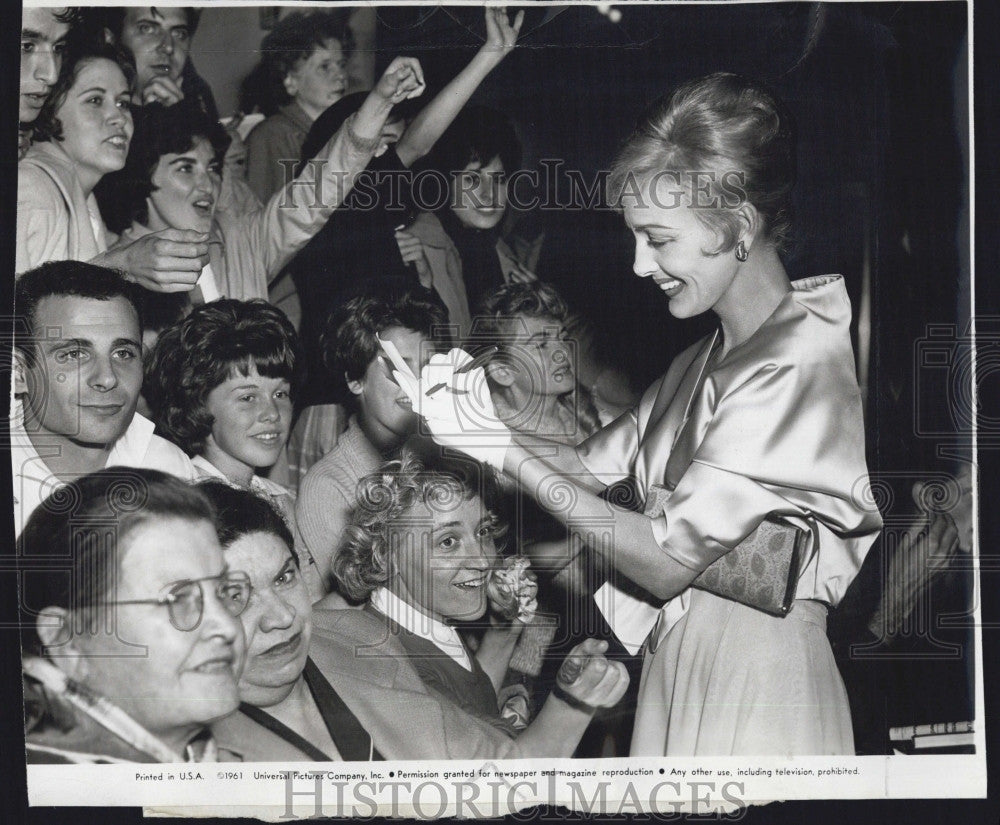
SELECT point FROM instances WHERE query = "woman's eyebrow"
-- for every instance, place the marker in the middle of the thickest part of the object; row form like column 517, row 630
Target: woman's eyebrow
column 647, row 226
column 446, row 526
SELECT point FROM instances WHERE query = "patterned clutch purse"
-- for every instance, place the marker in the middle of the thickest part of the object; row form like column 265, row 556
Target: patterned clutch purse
column 761, row 571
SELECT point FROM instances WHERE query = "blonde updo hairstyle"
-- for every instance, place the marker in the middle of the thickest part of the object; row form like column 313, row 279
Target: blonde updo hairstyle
column 738, row 139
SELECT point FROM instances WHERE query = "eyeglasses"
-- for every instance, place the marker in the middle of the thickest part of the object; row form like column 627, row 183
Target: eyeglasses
column 185, row 600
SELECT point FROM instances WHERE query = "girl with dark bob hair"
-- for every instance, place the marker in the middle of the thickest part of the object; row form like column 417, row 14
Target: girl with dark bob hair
column 422, row 548
column 173, row 183
column 761, row 418
column 135, row 550
column 220, row 384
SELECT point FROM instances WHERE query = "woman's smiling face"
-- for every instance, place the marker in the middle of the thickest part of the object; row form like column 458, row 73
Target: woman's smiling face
column 443, row 553
column 479, row 194
column 679, row 252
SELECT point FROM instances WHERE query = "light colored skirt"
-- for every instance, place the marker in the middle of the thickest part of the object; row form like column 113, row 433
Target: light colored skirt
column 729, row 679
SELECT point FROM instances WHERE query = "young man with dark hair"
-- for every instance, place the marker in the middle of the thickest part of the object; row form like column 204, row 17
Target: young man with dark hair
column 43, row 40
column 382, row 416
column 159, row 38
column 78, row 373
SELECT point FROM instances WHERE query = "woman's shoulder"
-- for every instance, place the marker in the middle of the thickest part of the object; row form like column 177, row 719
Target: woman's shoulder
column 278, row 126
column 349, row 624
column 813, row 322
column 40, row 177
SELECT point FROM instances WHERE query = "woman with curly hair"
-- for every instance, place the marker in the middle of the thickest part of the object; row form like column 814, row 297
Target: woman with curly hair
column 81, row 134
column 220, row 385
column 422, row 549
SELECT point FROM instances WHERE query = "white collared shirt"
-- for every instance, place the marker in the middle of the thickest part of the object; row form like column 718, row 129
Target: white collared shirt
column 205, row 469
column 138, row 447
column 443, row 636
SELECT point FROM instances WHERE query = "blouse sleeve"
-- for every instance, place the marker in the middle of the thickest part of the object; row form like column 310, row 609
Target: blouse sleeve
column 609, row 454
column 299, row 210
column 790, row 439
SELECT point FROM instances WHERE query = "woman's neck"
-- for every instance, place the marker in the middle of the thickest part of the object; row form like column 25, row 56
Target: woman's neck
column 233, row 469
column 759, row 286
column 178, row 739
column 87, row 180
column 299, row 712
column 311, row 111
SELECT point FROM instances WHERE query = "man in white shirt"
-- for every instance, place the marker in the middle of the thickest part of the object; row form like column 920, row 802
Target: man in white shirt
column 77, row 376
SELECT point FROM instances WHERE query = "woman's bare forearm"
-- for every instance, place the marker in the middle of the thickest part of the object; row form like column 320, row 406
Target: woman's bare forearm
column 625, row 538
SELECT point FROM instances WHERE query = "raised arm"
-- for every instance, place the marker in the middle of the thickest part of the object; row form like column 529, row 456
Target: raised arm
column 436, row 116
column 300, row 209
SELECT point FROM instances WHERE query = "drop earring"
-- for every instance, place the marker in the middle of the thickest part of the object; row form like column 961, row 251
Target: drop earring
column 741, row 252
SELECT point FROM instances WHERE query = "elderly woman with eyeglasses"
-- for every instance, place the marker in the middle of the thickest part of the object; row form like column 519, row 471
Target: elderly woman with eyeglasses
column 134, row 647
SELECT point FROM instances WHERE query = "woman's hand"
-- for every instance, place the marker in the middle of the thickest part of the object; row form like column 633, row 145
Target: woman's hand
column 402, row 80
column 501, row 36
column 589, row 677
column 461, row 413
column 166, row 261
column 412, row 252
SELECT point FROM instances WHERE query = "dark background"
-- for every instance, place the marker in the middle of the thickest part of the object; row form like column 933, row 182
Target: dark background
column 879, row 95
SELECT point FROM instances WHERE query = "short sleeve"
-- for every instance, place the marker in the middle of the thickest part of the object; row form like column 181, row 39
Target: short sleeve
column 609, row 454
column 789, row 440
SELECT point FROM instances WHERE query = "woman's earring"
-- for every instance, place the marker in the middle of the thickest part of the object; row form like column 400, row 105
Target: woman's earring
column 741, row 252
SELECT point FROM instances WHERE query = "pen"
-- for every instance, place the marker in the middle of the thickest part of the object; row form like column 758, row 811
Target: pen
column 479, row 361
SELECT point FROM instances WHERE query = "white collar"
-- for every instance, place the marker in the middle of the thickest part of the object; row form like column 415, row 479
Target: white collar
column 443, row 636
column 262, row 486
column 129, row 450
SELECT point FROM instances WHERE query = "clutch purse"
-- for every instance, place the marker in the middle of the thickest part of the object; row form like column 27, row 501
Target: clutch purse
column 762, row 571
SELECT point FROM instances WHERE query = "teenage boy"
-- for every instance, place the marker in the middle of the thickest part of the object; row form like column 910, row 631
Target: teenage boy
column 382, row 416
column 43, row 40
column 78, row 373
